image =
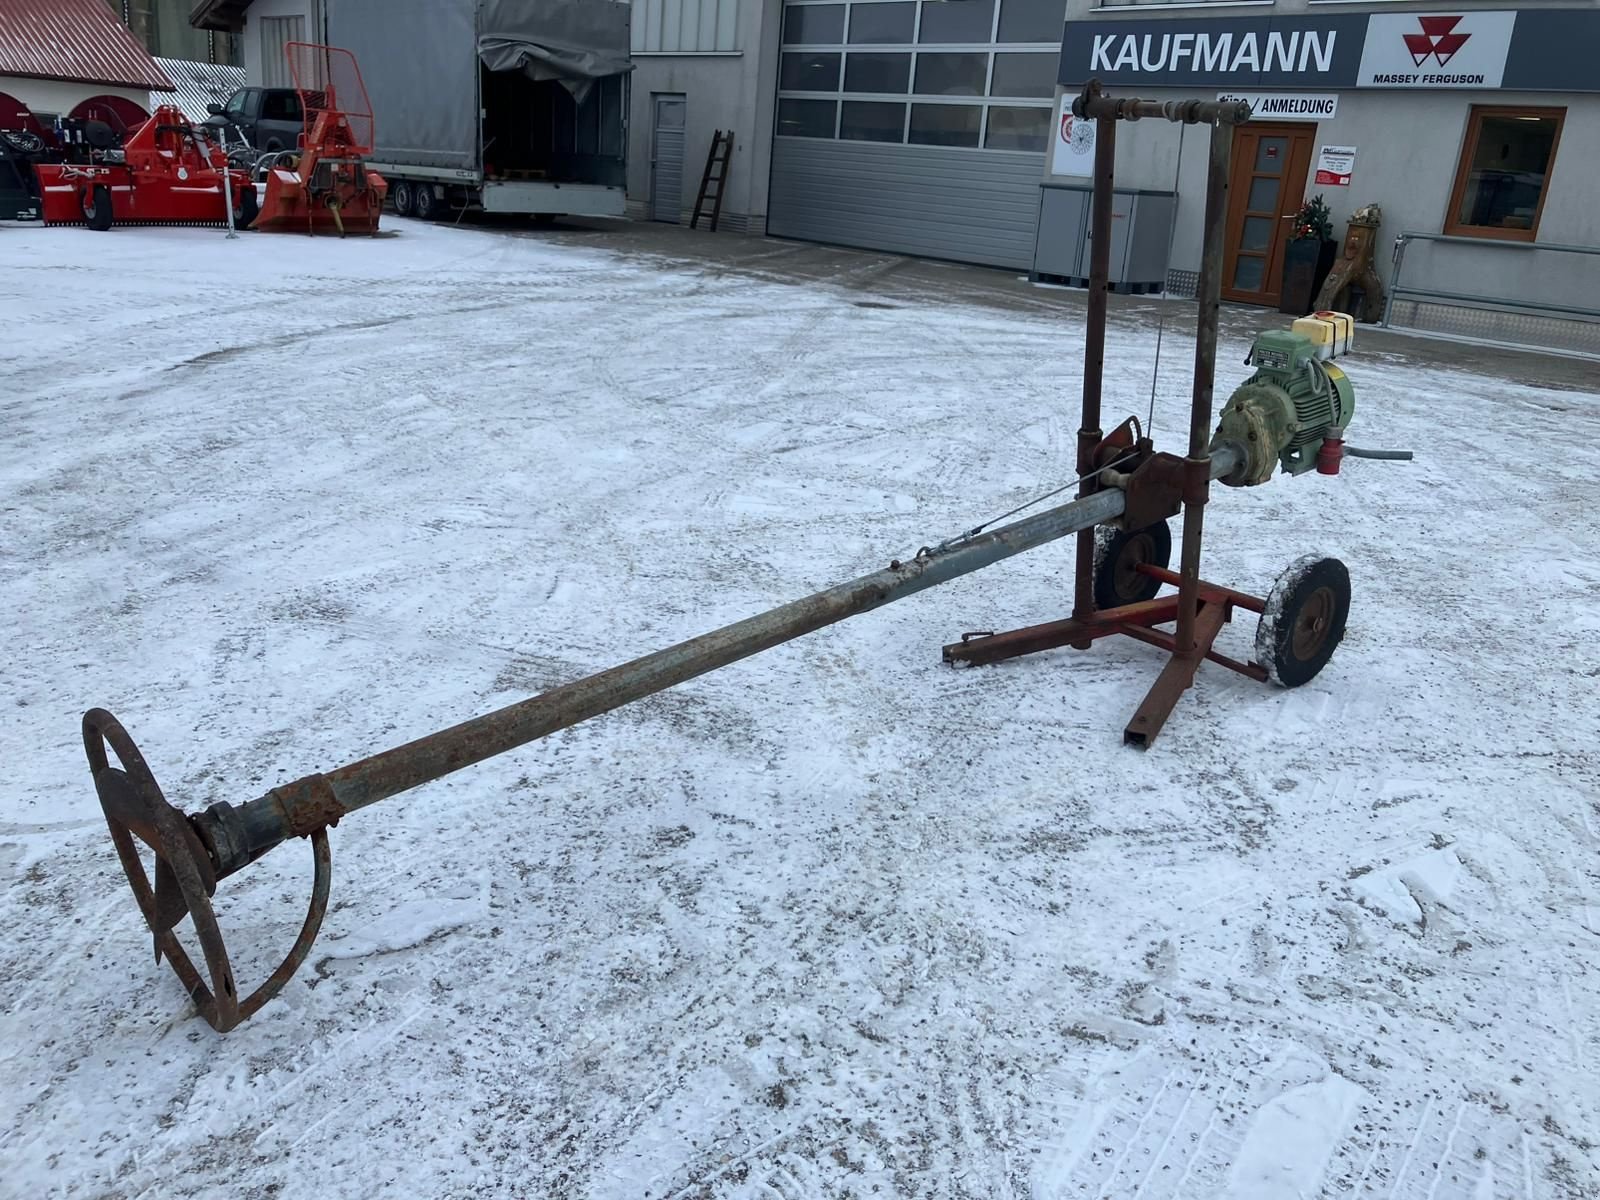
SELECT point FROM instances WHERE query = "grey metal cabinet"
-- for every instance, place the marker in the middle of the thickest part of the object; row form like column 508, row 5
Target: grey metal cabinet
column 1141, row 227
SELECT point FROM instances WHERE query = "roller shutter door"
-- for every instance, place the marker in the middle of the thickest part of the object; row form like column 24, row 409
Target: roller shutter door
column 963, row 205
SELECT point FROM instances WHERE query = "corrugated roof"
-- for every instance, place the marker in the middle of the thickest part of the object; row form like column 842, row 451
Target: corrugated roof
column 78, row 40
column 198, row 84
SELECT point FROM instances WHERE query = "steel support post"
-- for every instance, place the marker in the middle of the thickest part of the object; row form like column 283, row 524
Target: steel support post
column 1094, row 353
column 1197, row 482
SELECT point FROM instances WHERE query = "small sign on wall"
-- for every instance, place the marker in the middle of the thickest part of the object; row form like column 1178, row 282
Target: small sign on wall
column 1072, row 143
column 1288, row 106
column 1335, row 165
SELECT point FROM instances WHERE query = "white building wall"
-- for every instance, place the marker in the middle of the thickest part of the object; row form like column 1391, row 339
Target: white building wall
column 310, row 11
column 52, row 96
column 1407, row 148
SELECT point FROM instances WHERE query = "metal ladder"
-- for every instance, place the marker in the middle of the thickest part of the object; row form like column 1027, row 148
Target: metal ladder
column 716, row 173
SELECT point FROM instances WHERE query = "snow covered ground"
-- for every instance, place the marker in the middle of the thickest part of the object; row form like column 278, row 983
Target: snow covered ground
column 837, row 921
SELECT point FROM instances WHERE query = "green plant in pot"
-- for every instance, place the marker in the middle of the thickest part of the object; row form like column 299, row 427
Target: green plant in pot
column 1308, row 257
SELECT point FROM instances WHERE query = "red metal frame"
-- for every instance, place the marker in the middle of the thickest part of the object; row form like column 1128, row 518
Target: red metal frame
column 1158, row 483
column 328, row 80
column 1138, row 621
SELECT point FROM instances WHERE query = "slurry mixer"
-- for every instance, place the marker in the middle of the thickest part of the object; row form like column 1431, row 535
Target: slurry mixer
column 1290, row 414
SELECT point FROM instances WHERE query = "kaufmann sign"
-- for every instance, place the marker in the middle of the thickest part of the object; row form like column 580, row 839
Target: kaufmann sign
column 1225, row 52
column 1243, row 52
column 1532, row 49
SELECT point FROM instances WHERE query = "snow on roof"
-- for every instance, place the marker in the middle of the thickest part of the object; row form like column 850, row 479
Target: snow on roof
column 199, row 84
column 79, row 40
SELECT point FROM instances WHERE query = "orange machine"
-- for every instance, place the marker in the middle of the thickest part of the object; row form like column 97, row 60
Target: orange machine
column 324, row 186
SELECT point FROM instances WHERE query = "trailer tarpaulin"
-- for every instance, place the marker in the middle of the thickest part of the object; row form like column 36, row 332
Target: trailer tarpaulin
column 574, row 41
column 421, row 75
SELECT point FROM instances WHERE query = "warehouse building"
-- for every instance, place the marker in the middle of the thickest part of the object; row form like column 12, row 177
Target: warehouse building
column 929, row 127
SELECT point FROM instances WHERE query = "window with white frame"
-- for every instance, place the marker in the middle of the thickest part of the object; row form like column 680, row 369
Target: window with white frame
column 978, row 74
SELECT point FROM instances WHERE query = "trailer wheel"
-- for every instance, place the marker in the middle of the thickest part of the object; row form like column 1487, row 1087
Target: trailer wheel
column 97, row 206
column 1304, row 620
column 1117, row 555
column 246, row 207
column 400, row 192
column 426, row 203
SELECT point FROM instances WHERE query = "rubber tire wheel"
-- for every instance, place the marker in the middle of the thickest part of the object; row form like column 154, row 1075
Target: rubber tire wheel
column 1304, row 621
column 1116, row 581
column 97, row 207
column 400, row 195
column 426, row 204
column 246, row 207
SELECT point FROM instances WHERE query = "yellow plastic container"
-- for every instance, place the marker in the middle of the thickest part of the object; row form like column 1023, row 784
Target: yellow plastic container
column 1330, row 332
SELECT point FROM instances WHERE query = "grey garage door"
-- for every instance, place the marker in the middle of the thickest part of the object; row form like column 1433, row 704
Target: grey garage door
column 953, row 204
column 915, row 126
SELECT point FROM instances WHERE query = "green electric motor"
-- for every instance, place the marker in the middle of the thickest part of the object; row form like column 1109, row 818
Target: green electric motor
column 1296, row 400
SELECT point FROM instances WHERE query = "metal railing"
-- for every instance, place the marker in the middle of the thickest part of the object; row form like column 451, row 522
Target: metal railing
column 1419, row 295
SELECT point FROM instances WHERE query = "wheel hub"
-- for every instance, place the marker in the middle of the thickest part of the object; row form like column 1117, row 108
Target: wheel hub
column 1311, row 627
column 1140, row 549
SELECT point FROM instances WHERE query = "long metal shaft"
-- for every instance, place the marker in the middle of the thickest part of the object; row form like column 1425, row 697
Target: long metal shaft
column 237, row 836
column 384, row 774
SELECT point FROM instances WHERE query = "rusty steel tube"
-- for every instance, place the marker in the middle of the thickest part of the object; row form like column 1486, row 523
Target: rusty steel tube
column 1209, row 296
column 382, row 775
column 1188, row 112
column 267, row 820
column 1094, row 351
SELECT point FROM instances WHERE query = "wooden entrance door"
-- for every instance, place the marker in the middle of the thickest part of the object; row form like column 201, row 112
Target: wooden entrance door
column 1268, row 185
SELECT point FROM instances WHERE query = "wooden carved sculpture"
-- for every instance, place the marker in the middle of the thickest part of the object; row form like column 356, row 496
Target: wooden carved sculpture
column 1355, row 267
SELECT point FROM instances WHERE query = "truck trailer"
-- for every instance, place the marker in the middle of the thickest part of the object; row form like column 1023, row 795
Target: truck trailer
column 508, row 106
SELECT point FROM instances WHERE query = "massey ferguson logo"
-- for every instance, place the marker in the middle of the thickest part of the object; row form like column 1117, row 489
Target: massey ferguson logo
column 1436, row 51
column 1436, row 41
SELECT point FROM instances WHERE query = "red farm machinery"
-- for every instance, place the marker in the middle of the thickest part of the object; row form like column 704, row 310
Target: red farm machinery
column 323, row 185
column 166, row 172
column 169, row 171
